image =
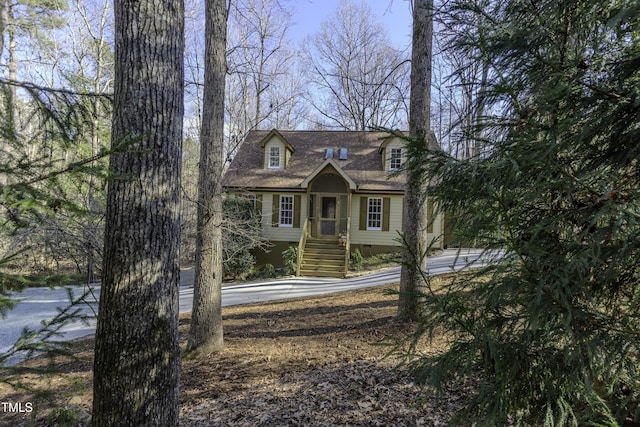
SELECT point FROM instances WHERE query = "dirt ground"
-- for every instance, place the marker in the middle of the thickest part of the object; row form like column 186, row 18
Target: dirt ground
column 303, row 362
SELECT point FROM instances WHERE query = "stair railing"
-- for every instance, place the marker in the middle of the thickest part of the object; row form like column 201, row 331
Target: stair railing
column 301, row 244
column 347, row 252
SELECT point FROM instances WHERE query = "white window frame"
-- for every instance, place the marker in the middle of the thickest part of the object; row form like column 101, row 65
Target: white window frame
column 286, row 208
column 274, row 159
column 374, row 213
column 395, row 158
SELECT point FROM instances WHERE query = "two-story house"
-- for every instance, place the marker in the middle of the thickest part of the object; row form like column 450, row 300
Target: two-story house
column 325, row 192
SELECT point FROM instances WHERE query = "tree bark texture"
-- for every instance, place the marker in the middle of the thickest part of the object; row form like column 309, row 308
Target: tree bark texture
column 11, row 110
column 137, row 357
column 3, row 22
column 205, row 335
column 416, row 221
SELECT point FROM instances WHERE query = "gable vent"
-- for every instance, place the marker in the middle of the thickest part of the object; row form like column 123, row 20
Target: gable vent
column 328, row 153
column 342, row 154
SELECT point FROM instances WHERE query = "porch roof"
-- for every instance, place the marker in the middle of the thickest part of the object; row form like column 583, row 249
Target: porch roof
column 363, row 165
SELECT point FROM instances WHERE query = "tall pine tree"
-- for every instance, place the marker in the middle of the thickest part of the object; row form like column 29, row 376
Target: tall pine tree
column 137, row 357
column 549, row 334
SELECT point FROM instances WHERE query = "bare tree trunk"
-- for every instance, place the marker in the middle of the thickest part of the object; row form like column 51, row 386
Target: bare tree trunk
column 416, row 221
column 479, row 111
column 4, row 95
column 137, row 356
column 4, row 17
column 12, row 66
column 205, row 334
column 8, row 92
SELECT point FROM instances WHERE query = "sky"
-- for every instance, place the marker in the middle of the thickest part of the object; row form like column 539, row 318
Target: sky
column 395, row 15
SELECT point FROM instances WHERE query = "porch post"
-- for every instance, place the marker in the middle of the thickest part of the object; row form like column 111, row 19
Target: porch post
column 347, row 255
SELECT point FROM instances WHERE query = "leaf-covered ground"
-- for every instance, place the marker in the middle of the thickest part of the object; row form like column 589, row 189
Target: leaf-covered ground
column 304, row 362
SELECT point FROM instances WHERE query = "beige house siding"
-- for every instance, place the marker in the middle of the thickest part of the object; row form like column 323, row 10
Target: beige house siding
column 376, row 237
column 396, row 224
column 384, row 238
column 282, row 234
column 435, row 230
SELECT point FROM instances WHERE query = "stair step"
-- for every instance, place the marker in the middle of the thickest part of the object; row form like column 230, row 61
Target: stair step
column 323, row 258
column 319, row 260
column 314, row 253
column 322, row 271
column 322, row 267
column 333, row 241
column 326, row 247
column 335, row 274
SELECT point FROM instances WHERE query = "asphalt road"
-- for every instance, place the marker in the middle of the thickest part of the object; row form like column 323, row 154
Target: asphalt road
column 35, row 305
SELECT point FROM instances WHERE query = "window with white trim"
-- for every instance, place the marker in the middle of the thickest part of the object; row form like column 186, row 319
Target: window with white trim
column 374, row 213
column 274, row 158
column 395, row 159
column 286, row 211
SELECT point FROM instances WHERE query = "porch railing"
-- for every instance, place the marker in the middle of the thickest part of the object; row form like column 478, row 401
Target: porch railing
column 301, row 244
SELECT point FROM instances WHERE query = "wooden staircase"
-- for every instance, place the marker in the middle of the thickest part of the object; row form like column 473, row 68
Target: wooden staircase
column 323, row 258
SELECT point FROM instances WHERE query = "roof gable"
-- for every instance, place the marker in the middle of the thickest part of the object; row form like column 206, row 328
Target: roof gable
column 327, row 163
column 276, row 134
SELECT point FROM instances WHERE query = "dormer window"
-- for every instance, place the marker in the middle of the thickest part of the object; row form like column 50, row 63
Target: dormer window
column 395, row 159
column 392, row 151
column 277, row 151
column 274, row 158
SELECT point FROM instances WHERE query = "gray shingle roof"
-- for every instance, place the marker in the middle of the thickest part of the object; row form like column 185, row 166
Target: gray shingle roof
column 363, row 164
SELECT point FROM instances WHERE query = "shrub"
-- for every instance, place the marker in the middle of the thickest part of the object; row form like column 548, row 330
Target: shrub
column 240, row 265
column 269, row 270
column 242, row 227
column 290, row 259
column 357, row 259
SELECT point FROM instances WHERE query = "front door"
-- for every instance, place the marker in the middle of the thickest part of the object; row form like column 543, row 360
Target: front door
column 328, row 214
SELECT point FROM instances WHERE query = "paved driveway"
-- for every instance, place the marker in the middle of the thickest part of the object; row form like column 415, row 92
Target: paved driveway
column 303, row 287
column 37, row 304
